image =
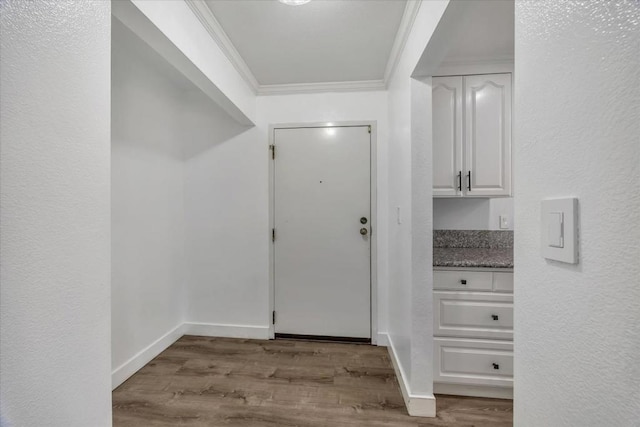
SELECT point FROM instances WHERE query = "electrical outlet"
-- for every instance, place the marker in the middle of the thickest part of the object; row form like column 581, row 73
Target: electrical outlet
column 504, row 222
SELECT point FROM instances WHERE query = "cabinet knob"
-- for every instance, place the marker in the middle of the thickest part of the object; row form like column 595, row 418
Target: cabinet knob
column 496, row 366
column 494, row 316
column 463, row 281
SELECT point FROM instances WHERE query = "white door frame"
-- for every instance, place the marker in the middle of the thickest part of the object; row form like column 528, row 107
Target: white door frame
column 373, row 208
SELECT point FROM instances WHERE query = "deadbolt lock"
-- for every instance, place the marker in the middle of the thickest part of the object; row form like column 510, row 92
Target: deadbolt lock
column 363, row 220
column 364, row 231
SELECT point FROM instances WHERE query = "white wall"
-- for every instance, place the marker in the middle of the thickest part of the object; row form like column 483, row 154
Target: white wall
column 54, row 185
column 147, row 206
column 227, row 200
column 227, row 228
column 577, row 102
column 471, row 213
column 410, row 340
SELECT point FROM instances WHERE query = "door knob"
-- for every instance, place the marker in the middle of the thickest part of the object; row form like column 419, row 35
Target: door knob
column 364, row 231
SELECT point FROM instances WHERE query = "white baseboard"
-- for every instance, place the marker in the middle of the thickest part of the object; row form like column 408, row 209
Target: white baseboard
column 226, row 331
column 473, row 390
column 131, row 366
column 134, row 364
column 417, row 405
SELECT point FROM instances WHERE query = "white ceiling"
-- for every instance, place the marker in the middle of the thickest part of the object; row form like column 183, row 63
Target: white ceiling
column 322, row 41
column 488, row 33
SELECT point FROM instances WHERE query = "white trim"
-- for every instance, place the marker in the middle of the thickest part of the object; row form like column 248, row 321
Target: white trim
column 213, row 27
column 283, row 89
column 220, row 37
column 418, row 405
column 146, row 355
column 474, row 390
column 408, row 18
column 374, row 216
column 493, row 269
column 226, row 331
column 476, row 66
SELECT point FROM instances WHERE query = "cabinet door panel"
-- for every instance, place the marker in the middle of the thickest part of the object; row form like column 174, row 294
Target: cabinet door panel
column 463, row 280
column 447, row 135
column 473, row 315
column 488, row 134
column 473, row 362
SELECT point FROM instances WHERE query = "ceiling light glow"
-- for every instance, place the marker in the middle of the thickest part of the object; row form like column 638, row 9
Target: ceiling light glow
column 294, row 2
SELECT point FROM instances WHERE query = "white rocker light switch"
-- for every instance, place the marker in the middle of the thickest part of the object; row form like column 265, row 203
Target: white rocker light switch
column 555, row 232
column 559, row 230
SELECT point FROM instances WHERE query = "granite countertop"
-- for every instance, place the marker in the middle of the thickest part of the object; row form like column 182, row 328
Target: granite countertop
column 473, row 257
column 473, row 248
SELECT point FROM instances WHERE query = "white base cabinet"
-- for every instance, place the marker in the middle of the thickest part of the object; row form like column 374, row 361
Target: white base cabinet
column 473, row 332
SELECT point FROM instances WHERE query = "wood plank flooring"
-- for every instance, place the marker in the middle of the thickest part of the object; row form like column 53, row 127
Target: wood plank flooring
column 201, row 381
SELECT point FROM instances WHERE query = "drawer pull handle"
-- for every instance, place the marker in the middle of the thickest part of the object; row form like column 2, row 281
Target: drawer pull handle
column 463, row 281
column 496, row 366
column 494, row 316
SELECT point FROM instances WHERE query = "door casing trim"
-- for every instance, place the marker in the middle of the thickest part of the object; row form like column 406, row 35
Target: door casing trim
column 374, row 215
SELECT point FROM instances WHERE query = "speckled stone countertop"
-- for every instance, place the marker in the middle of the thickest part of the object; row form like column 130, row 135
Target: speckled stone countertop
column 473, row 248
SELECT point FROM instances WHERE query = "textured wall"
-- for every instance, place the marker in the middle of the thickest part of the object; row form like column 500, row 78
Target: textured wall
column 409, row 307
column 577, row 132
column 421, row 238
column 147, row 192
column 54, row 185
column 226, row 207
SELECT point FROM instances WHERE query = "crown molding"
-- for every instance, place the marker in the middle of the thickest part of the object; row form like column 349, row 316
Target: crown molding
column 406, row 23
column 350, row 86
column 213, row 27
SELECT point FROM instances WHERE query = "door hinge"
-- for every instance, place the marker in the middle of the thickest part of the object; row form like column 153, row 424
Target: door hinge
column 273, row 234
column 273, row 151
column 273, row 317
column 369, row 128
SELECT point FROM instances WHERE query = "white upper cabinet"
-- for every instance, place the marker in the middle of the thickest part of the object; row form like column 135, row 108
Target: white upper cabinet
column 488, row 134
column 472, row 136
column 447, row 136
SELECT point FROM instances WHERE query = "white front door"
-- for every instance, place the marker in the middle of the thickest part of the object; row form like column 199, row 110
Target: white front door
column 322, row 251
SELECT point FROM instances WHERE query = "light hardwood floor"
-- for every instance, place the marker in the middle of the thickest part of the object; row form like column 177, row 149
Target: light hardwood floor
column 201, row 381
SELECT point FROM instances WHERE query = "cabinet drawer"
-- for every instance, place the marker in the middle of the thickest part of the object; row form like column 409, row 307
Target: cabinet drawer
column 473, row 315
column 503, row 282
column 463, row 280
column 475, row 362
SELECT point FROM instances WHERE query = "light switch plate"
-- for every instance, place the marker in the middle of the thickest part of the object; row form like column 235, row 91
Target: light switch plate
column 559, row 230
column 504, row 222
